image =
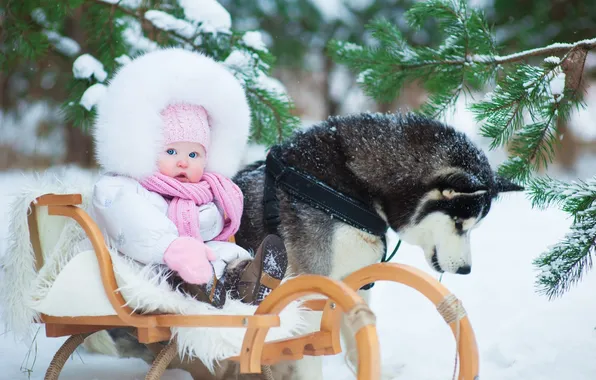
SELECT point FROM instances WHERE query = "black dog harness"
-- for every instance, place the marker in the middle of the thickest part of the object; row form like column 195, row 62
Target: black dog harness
column 318, row 195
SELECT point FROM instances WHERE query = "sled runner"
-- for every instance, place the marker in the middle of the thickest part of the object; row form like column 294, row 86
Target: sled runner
column 51, row 278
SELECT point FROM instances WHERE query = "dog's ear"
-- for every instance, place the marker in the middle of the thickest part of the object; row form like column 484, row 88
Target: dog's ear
column 503, row 185
column 459, row 182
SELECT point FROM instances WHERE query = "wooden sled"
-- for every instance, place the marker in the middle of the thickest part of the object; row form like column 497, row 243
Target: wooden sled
column 256, row 355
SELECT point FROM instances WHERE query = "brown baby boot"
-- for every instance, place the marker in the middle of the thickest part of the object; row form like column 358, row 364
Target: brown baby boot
column 252, row 280
column 213, row 293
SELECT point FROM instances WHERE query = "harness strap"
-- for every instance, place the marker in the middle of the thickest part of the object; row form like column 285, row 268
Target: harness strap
column 318, row 195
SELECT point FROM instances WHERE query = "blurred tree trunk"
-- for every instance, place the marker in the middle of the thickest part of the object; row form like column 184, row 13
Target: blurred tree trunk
column 79, row 144
column 332, row 105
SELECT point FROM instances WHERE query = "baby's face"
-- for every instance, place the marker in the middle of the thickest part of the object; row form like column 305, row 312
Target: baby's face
column 184, row 161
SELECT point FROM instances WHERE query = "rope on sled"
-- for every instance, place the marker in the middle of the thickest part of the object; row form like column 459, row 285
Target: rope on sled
column 356, row 318
column 266, row 372
column 452, row 310
column 161, row 362
column 62, row 355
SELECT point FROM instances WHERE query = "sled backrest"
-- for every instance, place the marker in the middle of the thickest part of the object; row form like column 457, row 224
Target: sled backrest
column 45, row 229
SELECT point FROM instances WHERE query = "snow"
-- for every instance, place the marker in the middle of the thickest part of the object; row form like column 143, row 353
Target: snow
column 254, row 40
column 134, row 4
column 359, row 5
column 557, row 84
column 93, row 95
column 133, row 35
column 86, row 66
column 25, row 129
column 333, row 10
column 583, row 121
column 519, row 55
column 519, row 333
column 169, row 23
column 64, row 45
column 212, row 16
column 123, row 59
column 552, row 60
column 240, row 61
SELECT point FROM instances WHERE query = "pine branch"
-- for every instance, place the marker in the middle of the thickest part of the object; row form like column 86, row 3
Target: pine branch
column 565, row 264
column 139, row 15
column 545, row 93
column 558, row 48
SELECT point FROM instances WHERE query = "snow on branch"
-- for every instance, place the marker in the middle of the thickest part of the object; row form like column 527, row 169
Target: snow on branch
column 64, row 45
column 169, row 23
column 209, row 14
column 86, row 66
column 557, row 48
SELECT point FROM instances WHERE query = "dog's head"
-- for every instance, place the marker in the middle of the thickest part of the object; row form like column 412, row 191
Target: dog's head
column 453, row 205
column 430, row 182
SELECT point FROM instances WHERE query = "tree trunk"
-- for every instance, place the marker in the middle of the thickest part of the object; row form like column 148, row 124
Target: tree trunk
column 79, row 145
column 332, row 105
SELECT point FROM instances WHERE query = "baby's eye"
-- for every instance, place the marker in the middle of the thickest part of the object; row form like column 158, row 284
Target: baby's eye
column 193, row 155
column 171, row 151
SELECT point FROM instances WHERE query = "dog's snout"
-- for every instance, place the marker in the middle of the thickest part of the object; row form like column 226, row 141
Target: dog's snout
column 466, row 269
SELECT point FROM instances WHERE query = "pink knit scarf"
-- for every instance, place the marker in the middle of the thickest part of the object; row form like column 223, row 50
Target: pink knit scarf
column 185, row 197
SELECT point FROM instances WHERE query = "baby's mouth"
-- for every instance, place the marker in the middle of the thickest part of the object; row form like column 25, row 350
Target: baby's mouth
column 182, row 177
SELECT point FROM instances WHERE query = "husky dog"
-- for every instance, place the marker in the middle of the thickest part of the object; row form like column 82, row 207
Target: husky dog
column 428, row 181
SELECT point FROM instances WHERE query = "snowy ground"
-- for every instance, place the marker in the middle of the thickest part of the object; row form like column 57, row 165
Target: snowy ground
column 520, row 334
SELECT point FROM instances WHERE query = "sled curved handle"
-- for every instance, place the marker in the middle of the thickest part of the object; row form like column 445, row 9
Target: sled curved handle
column 436, row 293
column 59, row 200
column 104, row 260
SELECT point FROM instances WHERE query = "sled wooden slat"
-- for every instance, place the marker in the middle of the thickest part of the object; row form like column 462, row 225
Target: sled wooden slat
column 153, row 334
column 103, row 320
column 105, row 263
column 298, row 287
column 252, row 321
column 315, row 305
column 314, row 344
column 59, row 200
column 54, row 330
column 172, row 320
column 34, row 237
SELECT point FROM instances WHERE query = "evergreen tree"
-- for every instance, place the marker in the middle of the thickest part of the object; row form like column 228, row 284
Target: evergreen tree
column 523, row 111
column 297, row 32
column 95, row 37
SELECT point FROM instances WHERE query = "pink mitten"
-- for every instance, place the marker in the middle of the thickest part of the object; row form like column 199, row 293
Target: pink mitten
column 190, row 258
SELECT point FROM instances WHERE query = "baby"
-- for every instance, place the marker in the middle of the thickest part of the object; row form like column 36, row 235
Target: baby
column 179, row 210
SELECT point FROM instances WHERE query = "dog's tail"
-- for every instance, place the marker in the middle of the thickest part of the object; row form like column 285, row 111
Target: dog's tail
column 118, row 342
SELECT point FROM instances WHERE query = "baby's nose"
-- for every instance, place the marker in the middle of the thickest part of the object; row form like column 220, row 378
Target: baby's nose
column 182, row 164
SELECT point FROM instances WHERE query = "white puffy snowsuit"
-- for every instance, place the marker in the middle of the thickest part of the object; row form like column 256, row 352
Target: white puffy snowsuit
column 135, row 221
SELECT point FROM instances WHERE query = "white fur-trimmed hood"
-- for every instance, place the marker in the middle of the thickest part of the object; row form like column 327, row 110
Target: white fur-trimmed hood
column 128, row 130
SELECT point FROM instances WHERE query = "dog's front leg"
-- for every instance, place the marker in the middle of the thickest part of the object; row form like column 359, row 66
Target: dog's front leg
column 349, row 339
column 310, row 367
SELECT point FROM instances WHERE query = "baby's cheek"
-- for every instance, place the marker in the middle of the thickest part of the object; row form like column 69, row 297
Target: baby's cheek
column 164, row 166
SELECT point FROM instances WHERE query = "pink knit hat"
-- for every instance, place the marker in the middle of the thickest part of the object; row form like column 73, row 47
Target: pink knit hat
column 186, row 122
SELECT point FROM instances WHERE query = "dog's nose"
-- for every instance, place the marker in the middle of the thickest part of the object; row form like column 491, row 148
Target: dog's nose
column 466, row 269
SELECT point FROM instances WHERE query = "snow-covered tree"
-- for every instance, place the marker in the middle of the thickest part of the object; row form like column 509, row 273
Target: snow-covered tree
column 297, row 32
column 95, row 37
column 533, row 92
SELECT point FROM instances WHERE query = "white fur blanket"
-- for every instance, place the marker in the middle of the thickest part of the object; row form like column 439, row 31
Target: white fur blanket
column 24, row 293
